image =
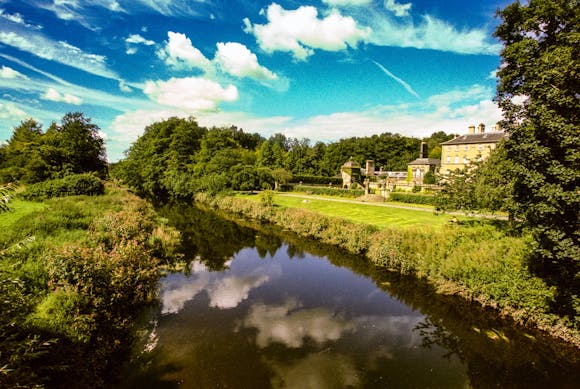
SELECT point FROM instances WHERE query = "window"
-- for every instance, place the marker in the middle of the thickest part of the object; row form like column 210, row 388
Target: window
column 466, row 147
column 456, row 159
column 448, row 159
column 465, row 160
column 480, row 147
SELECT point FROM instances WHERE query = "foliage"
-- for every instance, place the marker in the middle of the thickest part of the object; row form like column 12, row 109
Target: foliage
column 429, row 178
column 324, row 191
column 75, row 146
column 412, row 198
column 316, row 180
column 73, row 278
column 480, row 186
column 78, row 184
column 538, row 93
column 6, row 193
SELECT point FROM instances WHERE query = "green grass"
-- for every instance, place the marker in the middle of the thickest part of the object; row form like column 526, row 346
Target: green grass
column 18, row 209
column 372, row 214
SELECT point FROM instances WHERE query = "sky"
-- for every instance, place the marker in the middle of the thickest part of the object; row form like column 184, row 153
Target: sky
column 320, row 69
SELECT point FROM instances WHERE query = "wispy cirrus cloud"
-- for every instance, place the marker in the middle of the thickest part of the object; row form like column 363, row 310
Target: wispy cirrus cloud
column 18, row 19
column 57, row 51
column 405, row 85
column 301, row 31
column 78, row 10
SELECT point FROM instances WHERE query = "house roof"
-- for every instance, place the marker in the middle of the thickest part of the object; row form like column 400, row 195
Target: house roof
column 426, row 161
column 486, row 137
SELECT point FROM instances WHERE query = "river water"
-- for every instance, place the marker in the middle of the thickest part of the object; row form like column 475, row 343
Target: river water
column 255, row 308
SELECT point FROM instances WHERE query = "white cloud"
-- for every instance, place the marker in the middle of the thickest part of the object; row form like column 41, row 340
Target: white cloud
column 180, row 52
column 300, row 31
column 429, row 33
column 231, row 290
column 79, row 11
column 54, row 95
column 18, row 19
column 10, row 112
column 398, row 9
column 190, row 93
column 291, row 326
column 136, row 39
column 139, row 40
column 129, row 126
column 403, row 83
column 237, row 60
column 9, row 73
column 61, row 52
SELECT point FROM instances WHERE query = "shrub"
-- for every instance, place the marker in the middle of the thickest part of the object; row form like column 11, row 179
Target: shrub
column 317, row 180
column 322, row 191
column 412, row 198
column 78, row 184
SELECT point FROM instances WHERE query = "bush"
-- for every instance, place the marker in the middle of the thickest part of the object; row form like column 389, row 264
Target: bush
column 317, row 180
column 77, row 184
column 412, row 198
column 321, row 191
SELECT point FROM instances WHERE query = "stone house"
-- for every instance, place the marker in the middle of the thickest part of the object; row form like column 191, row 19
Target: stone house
column 461, row 151
column 423, row 165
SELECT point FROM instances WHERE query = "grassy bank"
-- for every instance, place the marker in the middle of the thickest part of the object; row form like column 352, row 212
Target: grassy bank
column 478, row 260
column 378, row 216
column 74, row 274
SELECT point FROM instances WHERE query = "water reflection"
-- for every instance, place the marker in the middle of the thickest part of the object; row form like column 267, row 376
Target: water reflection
column 255, row 310
column 225, row 289
column 290, row 325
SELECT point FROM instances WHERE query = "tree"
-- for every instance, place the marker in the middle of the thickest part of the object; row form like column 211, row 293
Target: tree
column 538, row 91
column 82, row 145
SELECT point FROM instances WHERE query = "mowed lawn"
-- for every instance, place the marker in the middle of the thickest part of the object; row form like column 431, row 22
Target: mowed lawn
column 368, row 213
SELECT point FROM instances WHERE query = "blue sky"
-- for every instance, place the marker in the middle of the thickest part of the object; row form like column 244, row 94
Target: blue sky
column 320, row 69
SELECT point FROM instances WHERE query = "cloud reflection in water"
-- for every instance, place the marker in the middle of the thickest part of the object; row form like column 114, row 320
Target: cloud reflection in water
column 226, row 289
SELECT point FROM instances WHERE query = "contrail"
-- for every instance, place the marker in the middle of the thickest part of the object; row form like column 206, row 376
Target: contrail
column 403, row 83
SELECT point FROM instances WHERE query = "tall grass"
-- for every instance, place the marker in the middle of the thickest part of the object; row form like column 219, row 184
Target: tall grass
column 74, row 273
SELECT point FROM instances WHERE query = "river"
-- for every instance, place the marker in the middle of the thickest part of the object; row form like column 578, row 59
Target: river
column 258, row 308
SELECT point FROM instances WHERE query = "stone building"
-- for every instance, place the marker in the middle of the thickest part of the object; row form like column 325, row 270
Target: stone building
column 461, row 151
column 351, row 173
column 422, row 165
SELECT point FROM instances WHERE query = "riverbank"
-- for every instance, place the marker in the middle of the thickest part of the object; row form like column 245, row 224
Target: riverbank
column 479, row 261
column 74, row 274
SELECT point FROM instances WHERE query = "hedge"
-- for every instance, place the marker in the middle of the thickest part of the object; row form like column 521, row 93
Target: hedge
column 77, row 184
column 412, row 198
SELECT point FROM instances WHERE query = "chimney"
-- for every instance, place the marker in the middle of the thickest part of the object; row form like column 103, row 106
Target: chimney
column 498, row 127
column 472, row 129
column 370, row 167
column 423, row 152
column 481, row 128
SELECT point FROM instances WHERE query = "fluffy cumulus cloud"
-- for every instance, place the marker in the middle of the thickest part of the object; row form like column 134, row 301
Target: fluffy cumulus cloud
column 11, row 74
column 54, row 95
column 300, row 31
column 237, row 60
column 190, row 93
column 57, row 51
column 180, row 52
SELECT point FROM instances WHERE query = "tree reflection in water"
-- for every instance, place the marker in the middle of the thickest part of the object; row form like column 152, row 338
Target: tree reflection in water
column 496, row 352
